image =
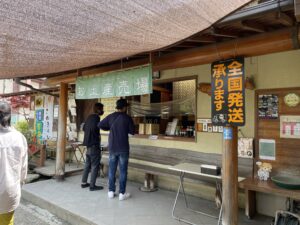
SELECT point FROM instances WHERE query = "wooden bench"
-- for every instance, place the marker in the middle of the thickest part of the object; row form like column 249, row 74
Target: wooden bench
column 155, row 161
column 253, row 185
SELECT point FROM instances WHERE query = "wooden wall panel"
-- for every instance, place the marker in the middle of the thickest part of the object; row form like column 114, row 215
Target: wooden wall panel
column 272, row 131
column 287, row 149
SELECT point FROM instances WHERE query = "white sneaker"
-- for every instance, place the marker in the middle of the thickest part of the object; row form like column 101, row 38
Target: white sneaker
column 124, row 196
column 111, row 194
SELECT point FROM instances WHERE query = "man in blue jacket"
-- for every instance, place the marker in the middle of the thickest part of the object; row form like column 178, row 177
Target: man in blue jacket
column 120, row 125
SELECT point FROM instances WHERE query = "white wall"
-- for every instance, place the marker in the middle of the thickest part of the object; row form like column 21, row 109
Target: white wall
column 6, row 86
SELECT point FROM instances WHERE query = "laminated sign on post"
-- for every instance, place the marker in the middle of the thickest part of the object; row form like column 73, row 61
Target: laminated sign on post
column 228, row 92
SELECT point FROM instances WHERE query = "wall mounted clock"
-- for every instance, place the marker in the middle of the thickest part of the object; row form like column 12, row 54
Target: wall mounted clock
column 291, row 99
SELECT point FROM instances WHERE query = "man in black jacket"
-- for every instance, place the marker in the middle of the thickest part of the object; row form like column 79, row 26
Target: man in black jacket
column 92, row 142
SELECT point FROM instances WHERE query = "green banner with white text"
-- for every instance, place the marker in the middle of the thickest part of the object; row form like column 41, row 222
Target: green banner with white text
column 136, row 81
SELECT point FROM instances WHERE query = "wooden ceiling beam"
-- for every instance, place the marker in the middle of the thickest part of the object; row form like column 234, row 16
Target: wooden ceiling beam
column 284, row 19
column 221, row 33
column 167, row 50
column 249, row 25
column 137, row 56
column 71, row 78
column 178, row 48
column 29, row 92
column 161, row 89
column 202, row 39
column 186, row 45
column 260, row 44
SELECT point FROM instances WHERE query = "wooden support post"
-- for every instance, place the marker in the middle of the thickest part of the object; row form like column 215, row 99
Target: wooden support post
column 42, row 155
column 230, row 177
column 61, row 137
column 250, row 203
column 297, row 10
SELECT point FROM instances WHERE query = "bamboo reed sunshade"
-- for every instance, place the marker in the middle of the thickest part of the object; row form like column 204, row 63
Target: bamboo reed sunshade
column 50, row 36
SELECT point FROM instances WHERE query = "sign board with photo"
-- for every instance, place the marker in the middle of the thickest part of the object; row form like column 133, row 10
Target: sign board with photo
column 268, row 106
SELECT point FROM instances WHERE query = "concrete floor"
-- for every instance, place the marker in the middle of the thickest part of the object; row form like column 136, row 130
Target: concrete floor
column 80, row 206
column 49, row 168
column 29, row 214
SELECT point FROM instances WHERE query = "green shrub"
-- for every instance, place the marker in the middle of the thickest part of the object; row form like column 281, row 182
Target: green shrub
column 24, row 128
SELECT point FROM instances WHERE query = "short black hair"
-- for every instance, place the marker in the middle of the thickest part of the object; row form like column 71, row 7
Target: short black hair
column 121, row 103
column 5, row 114
column 98, row 106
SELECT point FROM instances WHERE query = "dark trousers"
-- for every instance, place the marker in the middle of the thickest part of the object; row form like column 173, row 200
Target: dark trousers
column 92, row 163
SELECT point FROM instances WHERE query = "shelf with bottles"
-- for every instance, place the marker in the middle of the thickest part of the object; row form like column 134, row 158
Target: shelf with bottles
column 188, row 131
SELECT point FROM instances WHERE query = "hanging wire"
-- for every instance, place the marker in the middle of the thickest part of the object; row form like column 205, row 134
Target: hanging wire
column 241, row 132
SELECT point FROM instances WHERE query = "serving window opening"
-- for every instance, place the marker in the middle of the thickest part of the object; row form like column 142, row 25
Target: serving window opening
column 168, row 112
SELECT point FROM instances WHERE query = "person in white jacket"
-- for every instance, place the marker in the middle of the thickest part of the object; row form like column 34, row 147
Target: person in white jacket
column 13, row 165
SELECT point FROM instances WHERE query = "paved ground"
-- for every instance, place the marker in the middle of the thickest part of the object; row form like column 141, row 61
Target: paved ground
column 29, row 214
column 82, row 207
column 49, row 168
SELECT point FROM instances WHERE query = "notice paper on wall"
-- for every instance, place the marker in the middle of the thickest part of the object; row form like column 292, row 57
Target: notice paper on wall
column 267, row 149
column 245, row 147
column 290, row 126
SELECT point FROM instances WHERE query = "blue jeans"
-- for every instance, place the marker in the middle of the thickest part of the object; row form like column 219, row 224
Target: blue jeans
column 114, row 160
column 92, row 164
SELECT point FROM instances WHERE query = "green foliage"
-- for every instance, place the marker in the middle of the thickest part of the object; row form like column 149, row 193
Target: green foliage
column 24, row 128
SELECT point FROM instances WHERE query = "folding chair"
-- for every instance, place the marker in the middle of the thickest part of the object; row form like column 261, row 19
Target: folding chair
column 286, row 218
